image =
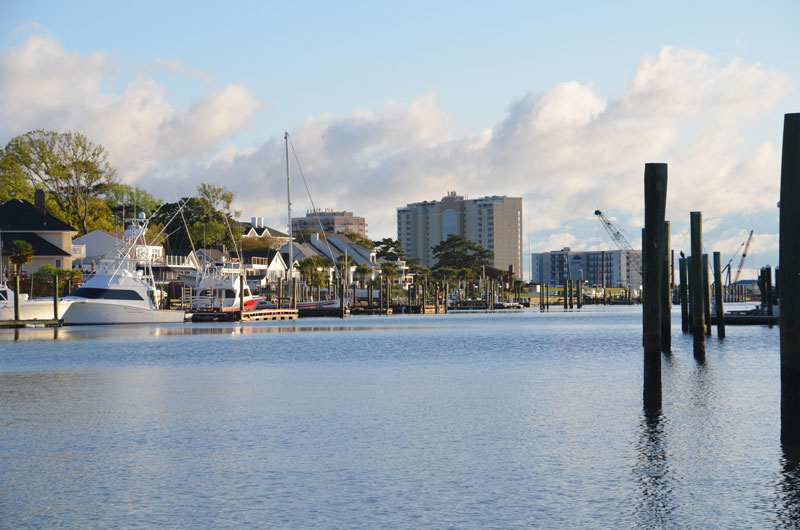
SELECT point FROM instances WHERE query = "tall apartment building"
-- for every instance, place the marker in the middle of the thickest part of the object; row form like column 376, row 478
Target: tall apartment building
column 331, row 222
column 552, row 267
column 494, row 223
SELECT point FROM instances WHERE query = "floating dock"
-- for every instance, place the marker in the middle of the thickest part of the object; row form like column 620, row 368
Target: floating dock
column 50, row 323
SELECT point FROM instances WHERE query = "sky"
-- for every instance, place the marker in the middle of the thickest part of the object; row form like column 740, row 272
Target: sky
column 390, row 103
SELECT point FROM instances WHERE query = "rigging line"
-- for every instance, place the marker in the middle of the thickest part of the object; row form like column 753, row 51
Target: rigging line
column 319, row 222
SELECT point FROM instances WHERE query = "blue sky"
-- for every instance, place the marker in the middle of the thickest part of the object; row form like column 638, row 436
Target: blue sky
column 391, row 103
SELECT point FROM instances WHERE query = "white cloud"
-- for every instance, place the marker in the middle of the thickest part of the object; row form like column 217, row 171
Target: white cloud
column 42, row 86
column 567, row 151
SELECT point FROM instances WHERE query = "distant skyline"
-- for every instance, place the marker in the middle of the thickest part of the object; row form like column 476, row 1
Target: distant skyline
column 393, row 104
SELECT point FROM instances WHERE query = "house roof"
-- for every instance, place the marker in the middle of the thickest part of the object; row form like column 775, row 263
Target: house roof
column 41, row 247
column 22, row 216
column 248, row 255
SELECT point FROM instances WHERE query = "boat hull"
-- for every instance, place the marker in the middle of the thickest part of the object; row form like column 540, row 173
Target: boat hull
column 87, row 313
column 34, row 310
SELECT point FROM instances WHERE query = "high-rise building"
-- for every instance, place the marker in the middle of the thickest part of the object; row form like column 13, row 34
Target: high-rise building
column 622, row 267
column 493, row 223
column 331, row 221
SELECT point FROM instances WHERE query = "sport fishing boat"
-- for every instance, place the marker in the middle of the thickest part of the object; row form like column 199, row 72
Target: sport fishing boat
column 218, row 289
column 120, row 292
column 38, row 309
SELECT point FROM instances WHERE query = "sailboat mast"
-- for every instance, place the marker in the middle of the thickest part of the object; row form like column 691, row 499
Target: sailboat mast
column 289, row 202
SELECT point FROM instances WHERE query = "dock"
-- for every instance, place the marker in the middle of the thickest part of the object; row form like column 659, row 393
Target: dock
column 43, row 323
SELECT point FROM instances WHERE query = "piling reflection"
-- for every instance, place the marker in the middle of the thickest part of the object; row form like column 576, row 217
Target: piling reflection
column 655, row 507
column 788, row 494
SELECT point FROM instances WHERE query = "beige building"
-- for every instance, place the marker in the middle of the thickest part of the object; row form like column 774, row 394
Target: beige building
column 494, row 223
column 337, row 222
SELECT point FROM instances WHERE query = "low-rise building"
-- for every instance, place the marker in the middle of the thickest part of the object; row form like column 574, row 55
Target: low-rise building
column 50, row 238
column 559, row 265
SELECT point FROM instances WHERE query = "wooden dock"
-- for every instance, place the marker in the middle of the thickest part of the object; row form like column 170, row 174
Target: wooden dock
column 50, row 323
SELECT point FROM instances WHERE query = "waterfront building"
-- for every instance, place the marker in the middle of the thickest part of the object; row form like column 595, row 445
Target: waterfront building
column 620, row 271
column 50, row 238
column 331, row 221
column 256, row 228
column 493, row 223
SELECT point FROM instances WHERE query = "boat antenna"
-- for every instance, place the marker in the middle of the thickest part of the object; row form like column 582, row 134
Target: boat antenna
column 316, row 213
column 289, row 204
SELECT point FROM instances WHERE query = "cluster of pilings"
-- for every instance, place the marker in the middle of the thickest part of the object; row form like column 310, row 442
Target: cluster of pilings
column 695, row 292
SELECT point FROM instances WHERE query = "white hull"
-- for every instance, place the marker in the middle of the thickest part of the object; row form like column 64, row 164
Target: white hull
column 96, row 312
column 33, row 310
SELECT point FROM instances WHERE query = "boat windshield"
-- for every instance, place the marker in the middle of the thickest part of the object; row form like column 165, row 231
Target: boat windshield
column 106, row 294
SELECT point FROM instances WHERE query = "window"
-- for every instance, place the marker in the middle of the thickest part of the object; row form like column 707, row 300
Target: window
column 96, row 293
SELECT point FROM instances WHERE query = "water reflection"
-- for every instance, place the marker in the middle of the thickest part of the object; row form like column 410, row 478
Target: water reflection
column 106, row 332
column 788, row 509
column 655, row 506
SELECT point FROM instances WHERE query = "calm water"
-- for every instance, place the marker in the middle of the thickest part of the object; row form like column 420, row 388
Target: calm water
column 462, row 421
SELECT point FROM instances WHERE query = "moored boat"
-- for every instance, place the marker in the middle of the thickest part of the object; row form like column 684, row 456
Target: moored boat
column 38, row 309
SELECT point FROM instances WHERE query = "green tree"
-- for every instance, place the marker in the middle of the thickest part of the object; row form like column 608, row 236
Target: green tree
column 389, row 270
column 208, row 234
column 362, row 269
column 13, row 182
column 133, row 200
column 218, row 200
column 458, row 252
column 389, row 248
column 21, row 253
column 74, row 171
column 360, row 240
column 48, row 274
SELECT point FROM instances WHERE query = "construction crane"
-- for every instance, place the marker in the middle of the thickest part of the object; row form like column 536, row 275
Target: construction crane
column 726, row 270
column 744, row 255
column 619, row 239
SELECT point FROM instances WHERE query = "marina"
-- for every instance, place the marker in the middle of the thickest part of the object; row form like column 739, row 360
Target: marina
column 473, row 419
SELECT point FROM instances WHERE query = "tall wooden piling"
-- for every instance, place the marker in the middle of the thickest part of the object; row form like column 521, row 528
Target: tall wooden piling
column 580, row 291
column 655, row 203
column 706, row 296
column 789, row 271
column 720, row 311
column 696, row 284
column 16, row 296
column 55, row 297
column 566, row 288
column 666, row 293
column 684, row 295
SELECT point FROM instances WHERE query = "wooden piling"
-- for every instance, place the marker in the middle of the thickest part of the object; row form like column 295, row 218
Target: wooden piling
column 655, row 203
column 684, row 295
column 55, row 297
column 16, row 296
column 789, row 272
column 580, row 291
column 720, row 311
column 666, row 296
column 696, row 284
column 706, row 297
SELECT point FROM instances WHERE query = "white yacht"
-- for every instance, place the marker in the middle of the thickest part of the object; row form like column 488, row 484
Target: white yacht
column 218, row 290
column 119, row 292
column 38, row 309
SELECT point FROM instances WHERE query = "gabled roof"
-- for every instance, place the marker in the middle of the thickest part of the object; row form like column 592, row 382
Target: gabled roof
column 248, row 255
column 22, row 216
column 41, row 247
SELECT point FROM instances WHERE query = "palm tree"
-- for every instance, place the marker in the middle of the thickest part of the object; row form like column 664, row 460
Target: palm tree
column 362, row 269
column 21, row 253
